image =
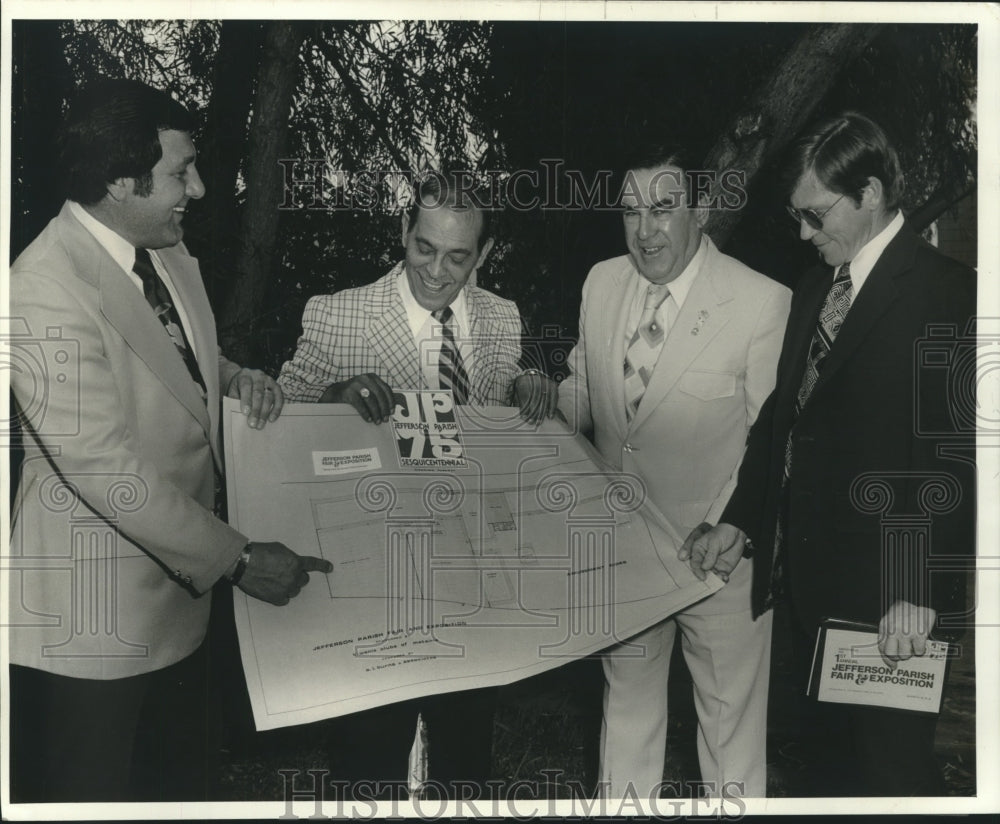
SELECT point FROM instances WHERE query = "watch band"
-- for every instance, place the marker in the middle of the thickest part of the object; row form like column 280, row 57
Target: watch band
column 241, row 565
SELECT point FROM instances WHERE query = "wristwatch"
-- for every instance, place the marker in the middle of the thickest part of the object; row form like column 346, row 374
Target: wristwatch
column 241, row 565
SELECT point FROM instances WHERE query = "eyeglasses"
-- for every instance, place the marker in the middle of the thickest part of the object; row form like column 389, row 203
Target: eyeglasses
column 812, row 218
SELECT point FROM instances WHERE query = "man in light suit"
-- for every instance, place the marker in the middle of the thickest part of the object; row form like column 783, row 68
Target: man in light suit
column 857, row 402
column 421, row 326
column 115, row 546
column 677, row 351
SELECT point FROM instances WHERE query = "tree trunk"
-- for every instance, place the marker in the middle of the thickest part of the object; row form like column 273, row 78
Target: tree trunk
column 241, row 328
column 358, row 101
column 780, row 108
column 220, row 152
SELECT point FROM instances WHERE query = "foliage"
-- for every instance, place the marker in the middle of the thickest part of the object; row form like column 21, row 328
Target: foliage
column 919, row 83
column 583, row 91
column 373, row 97
column 172, row 55
column 407, row 95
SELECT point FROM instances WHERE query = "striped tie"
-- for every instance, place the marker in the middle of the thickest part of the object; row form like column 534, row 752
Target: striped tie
column 158, row 297
column 831, row 318
column 644, row 348
column 450, row 369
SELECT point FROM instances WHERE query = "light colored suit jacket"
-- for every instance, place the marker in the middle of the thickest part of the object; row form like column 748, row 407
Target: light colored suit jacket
column 114, row 541
column 366, row 330
column 715, row 370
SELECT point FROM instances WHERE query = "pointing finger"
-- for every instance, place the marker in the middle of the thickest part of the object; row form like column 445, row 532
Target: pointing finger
column 312, row 564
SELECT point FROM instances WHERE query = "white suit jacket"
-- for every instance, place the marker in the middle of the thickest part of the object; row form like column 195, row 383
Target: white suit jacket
column 113, row 537
column 366, row 330
column 715, row 370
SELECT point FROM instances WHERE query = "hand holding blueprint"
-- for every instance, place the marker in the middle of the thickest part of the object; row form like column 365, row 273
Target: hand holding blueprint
column 469, row 549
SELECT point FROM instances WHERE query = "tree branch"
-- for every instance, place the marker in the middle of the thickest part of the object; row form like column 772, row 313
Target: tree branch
column 781, row 106
column 936, row 205
column 358, row 101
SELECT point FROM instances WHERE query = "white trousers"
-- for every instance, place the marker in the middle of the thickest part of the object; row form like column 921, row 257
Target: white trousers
column 728, row 654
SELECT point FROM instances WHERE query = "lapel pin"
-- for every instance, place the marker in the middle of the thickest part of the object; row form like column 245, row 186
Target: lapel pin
column 702, row 317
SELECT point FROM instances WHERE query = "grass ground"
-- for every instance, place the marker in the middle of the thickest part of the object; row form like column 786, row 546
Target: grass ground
column 547, row 730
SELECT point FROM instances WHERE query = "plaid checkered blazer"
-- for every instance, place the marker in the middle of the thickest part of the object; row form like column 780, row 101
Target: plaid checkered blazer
column 366, row 330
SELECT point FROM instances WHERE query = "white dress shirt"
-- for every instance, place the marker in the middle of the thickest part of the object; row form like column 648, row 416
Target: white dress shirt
column 865, row 260
column 123, row 253
column 679, row 288
column 428, row 333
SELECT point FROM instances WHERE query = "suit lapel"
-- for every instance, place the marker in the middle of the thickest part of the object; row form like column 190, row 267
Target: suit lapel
column 801, row 326
column 877, row 295
column 125, row 308
column 186, row 277
column 706, row 311
column 484, row 333
column 613, row 308
column 390, row 338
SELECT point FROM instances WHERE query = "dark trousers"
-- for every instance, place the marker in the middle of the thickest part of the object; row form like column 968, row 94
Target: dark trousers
column 373, row 746
column 143, row 738
column 861, row 751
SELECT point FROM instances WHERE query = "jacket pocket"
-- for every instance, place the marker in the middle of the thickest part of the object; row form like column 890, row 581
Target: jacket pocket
column 707, row 386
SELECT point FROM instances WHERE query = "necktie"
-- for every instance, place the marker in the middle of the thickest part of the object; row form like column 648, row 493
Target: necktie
column 158, row 297
column 450, row 369
column 644, row 348
column 831, row 318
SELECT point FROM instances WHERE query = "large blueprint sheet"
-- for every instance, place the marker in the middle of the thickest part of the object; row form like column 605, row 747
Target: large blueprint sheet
column 499, row 551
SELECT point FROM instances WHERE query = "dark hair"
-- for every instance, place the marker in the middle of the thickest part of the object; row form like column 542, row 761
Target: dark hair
column 844, row 152
column 651, row 152
column 112, row 132
column 452, row 190
column 655, row 150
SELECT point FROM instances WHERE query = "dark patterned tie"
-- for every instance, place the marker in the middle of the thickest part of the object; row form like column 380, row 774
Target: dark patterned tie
column 158, row 296
column 450, row 369
column 831, row 318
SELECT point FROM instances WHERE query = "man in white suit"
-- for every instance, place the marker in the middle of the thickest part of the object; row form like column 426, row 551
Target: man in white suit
column 677, row 352
column 115, row 546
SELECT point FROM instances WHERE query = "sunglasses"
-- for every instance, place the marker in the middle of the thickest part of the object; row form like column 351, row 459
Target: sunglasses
column 812, row 218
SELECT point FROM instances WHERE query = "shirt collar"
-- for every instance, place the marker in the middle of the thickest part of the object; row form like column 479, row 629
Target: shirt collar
column 418, row 316
column 864, row 261
column 681, row 285
column 114, row 244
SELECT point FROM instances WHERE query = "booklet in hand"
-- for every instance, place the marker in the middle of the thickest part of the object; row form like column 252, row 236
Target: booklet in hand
column 848, row 669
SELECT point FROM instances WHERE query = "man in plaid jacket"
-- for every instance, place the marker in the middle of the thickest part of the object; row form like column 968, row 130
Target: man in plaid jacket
column 359, row 343
column 399, row 332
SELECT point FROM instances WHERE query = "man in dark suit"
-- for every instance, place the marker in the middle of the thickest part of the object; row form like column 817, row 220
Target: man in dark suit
column 115, row 546
column 852, row 430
